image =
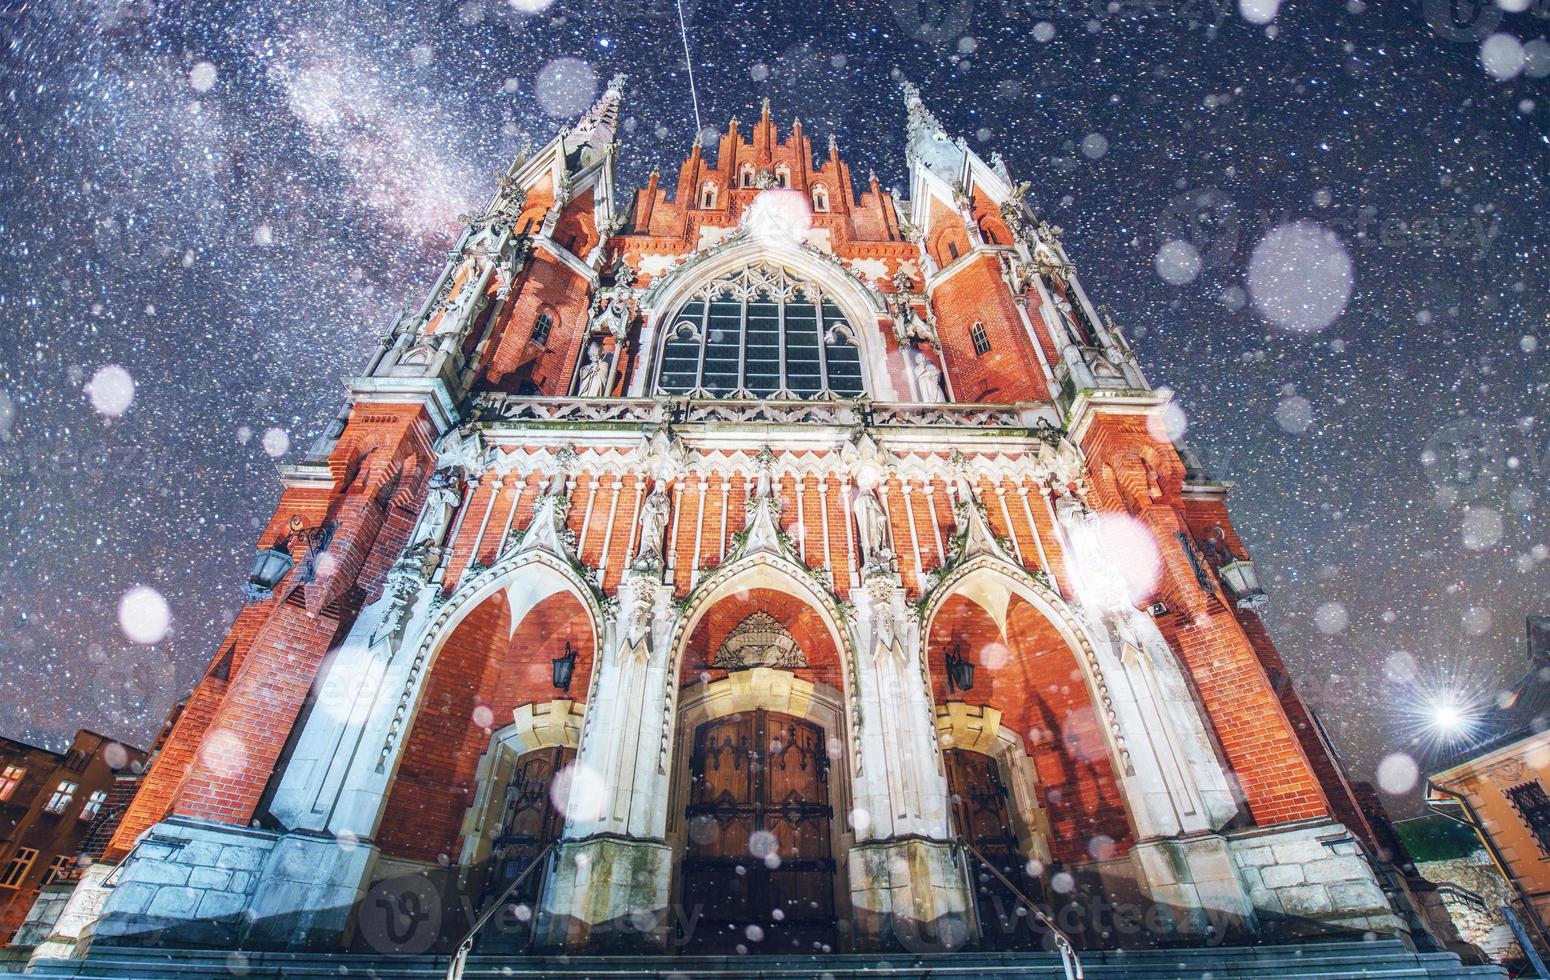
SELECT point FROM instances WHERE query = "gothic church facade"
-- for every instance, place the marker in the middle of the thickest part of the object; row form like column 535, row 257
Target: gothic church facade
column 762, row 561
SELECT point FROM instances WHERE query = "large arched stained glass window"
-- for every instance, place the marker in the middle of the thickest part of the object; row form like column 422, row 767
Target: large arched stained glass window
column 760, row 333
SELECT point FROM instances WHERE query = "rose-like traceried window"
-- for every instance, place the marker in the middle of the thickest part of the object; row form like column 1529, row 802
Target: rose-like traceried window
column 760, row 333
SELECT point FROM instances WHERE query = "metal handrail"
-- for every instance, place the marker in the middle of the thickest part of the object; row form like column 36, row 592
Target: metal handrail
column 1068, row 958
column 460, row 958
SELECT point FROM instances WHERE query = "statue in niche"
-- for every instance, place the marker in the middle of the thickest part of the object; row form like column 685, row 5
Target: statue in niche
column 653, row 522
column 597, row 376
column 928, row 379
column 872, row 529
column 468, row 299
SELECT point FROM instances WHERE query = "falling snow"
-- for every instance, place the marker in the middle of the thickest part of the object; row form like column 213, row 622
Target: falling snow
column 1322, row 226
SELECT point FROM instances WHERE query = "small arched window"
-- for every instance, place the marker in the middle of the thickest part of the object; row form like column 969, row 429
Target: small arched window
column 708, row 195
column 541, row 328
column 952, row 250
column 745, row 176
column 782, row 176
column 820, row 198
column 980, row 338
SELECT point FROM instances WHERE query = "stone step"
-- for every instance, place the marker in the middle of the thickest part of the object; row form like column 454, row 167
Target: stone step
column 1380, row 960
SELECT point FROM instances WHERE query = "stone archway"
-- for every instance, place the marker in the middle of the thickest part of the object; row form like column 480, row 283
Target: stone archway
column 493, row 665
column 760, row 673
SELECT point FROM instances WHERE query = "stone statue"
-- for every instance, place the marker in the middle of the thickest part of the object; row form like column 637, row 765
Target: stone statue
column 653, row 522
column 597, row 376
column 872, row 529
column 928, row 379
column 468, row 299
column 441, row 502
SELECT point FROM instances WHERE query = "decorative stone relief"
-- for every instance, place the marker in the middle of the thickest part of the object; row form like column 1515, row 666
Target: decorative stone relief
column 761, row 640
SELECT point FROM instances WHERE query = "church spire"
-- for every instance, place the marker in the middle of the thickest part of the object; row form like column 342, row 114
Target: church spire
column 595, row 131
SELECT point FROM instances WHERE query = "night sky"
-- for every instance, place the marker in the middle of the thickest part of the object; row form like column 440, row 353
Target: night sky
column 216, row 208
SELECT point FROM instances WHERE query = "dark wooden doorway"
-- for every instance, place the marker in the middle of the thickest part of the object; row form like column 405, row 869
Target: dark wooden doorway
column 982, row 816
column 758, row 870
column 529, row 822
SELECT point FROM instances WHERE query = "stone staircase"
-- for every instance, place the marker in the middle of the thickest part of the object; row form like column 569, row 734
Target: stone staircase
column 1374, row 959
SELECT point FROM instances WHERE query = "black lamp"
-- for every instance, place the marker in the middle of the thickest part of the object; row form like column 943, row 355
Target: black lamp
column 270, row 565
column 564, row 668
column 960, row 673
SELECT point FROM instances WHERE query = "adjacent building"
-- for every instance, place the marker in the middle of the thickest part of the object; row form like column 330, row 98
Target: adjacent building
column 1496, row 778
column 49, row 804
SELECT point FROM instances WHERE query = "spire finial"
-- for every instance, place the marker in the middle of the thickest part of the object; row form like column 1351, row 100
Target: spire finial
column 764, row 107
column 834, row 144
column 919, row 116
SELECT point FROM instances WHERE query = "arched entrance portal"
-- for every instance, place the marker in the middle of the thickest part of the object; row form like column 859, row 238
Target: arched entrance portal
column 759, row 850
column 529, row 822
column 982, row 805
column 761, row 785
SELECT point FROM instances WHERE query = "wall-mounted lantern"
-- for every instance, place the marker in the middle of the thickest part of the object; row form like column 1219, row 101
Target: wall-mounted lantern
column 564, row 668
column 272, row 564
column 960, row 673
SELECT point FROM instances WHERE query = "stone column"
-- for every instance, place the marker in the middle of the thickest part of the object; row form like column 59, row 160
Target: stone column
column 907, row 885
column 609, row 883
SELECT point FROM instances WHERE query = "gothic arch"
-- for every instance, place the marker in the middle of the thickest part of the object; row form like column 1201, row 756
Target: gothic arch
column 776, row 572
column 860, row 305
column 526, row 579
column 1166, row 794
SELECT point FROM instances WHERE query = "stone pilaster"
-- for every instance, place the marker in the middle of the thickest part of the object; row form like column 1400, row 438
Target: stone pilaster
column 613, row 868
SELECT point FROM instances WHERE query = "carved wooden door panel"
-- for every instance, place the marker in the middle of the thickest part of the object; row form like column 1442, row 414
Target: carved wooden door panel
column 982, row 816
column 529, row 821
column 758, row 869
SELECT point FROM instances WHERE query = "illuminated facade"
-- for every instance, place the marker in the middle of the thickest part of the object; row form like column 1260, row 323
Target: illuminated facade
column 767, row 554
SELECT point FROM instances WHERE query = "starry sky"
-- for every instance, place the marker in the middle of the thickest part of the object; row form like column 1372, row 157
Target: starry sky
column 209, row 211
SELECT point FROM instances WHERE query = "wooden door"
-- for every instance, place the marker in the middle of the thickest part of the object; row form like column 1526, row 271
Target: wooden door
column 982, row 817
column 529, row 822
column 758, row 870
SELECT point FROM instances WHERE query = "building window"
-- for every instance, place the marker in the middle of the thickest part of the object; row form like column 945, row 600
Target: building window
column 745, row 176
column 708, row 196
column 63, row 794
column 16, row 871
column 541, row 328
column 980, row 338
column 1533, row 807
column 10, row 778
column 760, row 333
column 782, row 177
column 62, row 868
column 820, row 199
column 93, row 805
column 952, row 250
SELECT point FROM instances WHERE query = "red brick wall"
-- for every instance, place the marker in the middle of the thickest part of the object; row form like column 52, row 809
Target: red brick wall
column 1242, row 707
column 1029, row 674
column 478, row 679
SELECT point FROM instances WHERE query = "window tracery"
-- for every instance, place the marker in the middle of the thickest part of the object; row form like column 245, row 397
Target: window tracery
column 761, row 332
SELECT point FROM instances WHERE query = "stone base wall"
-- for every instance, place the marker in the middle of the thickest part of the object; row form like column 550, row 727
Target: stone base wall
column 608, row 893
column 193, row 883
column 910, row 894
column 1310, row 879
